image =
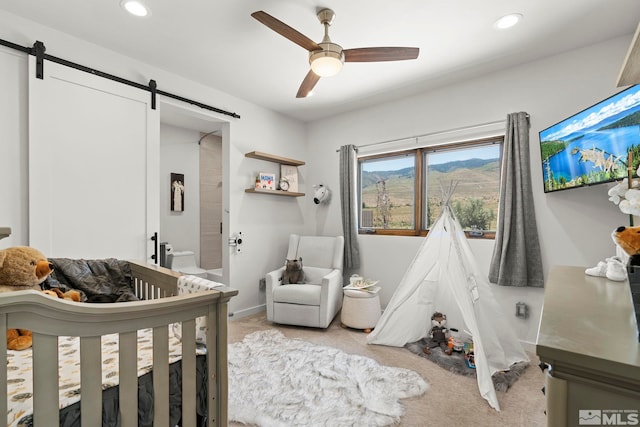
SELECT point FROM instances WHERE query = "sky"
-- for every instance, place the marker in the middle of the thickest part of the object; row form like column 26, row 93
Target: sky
column 444, row 156
column 624, row 100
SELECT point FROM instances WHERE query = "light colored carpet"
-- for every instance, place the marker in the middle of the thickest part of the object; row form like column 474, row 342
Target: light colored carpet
column 451, row 400
column 277, row 381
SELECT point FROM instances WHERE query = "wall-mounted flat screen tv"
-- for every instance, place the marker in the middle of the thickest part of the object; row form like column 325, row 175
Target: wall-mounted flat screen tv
column 592, row 146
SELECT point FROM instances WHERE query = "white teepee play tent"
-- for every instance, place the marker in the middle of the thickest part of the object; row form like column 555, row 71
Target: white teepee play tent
column 444, row 277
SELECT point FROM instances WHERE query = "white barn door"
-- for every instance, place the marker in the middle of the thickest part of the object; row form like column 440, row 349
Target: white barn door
column 93, row 166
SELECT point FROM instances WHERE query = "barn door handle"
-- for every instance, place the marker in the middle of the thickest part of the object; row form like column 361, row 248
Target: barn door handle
column 154, row 257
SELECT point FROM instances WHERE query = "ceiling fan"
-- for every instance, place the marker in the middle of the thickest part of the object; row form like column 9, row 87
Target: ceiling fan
column 326, row 58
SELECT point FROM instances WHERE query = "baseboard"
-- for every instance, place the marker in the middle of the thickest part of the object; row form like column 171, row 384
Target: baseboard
column 529, row 347
column 248, row 311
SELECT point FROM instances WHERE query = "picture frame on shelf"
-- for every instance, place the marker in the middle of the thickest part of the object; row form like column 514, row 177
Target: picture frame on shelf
column 267, row 181
column 290, row 174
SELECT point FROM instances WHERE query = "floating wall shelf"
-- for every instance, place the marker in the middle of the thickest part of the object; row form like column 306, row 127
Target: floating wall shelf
column 275, row 159
column 274, row 192
column 271, row 158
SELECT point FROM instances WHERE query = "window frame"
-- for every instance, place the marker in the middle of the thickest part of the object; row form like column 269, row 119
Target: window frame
column 420, row 186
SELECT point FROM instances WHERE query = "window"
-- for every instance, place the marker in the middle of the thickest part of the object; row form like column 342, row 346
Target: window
column 402, row 193
column 388, row 192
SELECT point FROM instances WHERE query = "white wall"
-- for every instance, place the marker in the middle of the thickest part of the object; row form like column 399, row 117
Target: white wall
column 180, row 153
column 265, row 220
column 574, row 225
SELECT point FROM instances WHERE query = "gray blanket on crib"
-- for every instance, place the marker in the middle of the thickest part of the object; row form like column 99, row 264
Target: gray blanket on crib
column 98, row 280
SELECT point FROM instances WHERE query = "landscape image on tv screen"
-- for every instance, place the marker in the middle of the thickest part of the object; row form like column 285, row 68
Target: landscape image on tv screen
column 593, row 146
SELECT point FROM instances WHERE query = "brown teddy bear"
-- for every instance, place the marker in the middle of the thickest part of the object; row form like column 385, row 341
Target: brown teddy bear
column 22, row 268
column 628, row 238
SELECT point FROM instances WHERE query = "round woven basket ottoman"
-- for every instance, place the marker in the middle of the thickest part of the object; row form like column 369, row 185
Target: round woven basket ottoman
column 360, row 310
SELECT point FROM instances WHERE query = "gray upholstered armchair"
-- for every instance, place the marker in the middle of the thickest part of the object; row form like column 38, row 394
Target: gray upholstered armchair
column 316, row 301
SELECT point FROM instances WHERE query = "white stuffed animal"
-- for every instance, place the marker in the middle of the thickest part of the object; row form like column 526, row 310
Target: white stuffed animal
column 321, row 194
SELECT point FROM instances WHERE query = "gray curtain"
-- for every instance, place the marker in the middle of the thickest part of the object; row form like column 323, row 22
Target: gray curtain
column 516, row 260
column 348, row 204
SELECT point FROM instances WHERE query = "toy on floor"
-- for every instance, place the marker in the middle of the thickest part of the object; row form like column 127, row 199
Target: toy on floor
column 454, row 342
column 438, row 334
column 469, row 358
column 22, row 268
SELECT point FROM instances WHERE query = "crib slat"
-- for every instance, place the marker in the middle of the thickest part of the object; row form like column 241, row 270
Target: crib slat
column 45, row 379
column 189, row 373
column 91, row 381
column 3, row 372
column 128, row 390
column 215, row 406
column 161, row 376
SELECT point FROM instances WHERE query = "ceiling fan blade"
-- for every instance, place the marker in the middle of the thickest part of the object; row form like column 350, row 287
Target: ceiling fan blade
column 376, row 54
column 286, row 31
column 307, row 84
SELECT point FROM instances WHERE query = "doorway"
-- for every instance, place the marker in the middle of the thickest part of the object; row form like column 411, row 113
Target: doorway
column 192, row 146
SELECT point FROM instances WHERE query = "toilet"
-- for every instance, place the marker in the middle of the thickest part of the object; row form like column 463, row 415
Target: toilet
column 185, row 262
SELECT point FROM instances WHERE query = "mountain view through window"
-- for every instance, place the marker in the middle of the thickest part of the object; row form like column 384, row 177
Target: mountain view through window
column 389, row 191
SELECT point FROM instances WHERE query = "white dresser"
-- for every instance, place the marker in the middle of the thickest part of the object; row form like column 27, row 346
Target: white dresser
column 588, row 337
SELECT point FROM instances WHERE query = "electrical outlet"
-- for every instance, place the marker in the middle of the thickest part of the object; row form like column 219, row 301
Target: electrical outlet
column 262, row 284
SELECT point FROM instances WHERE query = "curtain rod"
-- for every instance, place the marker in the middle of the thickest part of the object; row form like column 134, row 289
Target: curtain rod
column 38, row 51
column 440, row 132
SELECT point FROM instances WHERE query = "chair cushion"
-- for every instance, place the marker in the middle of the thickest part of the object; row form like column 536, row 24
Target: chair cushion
column 314, row 275
column 316, row 251
column 297, row 294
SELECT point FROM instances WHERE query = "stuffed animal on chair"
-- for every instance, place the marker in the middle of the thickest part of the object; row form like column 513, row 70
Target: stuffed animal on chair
column 293, row 272
column 22, row 268
column 438, row 334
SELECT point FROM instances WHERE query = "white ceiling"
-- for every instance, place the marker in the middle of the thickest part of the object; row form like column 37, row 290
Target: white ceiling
column 218, row 43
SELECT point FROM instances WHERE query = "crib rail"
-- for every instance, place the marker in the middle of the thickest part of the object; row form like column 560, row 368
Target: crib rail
column 151, row 281
column 50, row 318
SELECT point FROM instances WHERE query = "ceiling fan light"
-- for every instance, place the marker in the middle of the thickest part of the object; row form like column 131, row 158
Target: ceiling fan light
column 326, row 63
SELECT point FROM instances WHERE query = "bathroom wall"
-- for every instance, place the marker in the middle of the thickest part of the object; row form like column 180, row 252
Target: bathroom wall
column 179, row 153
column 211, row 201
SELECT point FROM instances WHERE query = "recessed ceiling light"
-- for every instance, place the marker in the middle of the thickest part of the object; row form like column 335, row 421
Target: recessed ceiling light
column 135, row 7
column 507, row 21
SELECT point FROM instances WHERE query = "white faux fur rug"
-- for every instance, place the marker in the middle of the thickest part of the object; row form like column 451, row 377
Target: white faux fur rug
column 277, row 381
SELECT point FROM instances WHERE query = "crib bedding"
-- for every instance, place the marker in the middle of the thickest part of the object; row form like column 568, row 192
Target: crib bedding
column 19, row 374
column 97, row 280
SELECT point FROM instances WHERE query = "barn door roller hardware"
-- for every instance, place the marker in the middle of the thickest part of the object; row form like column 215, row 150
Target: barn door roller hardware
column 38, row 50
